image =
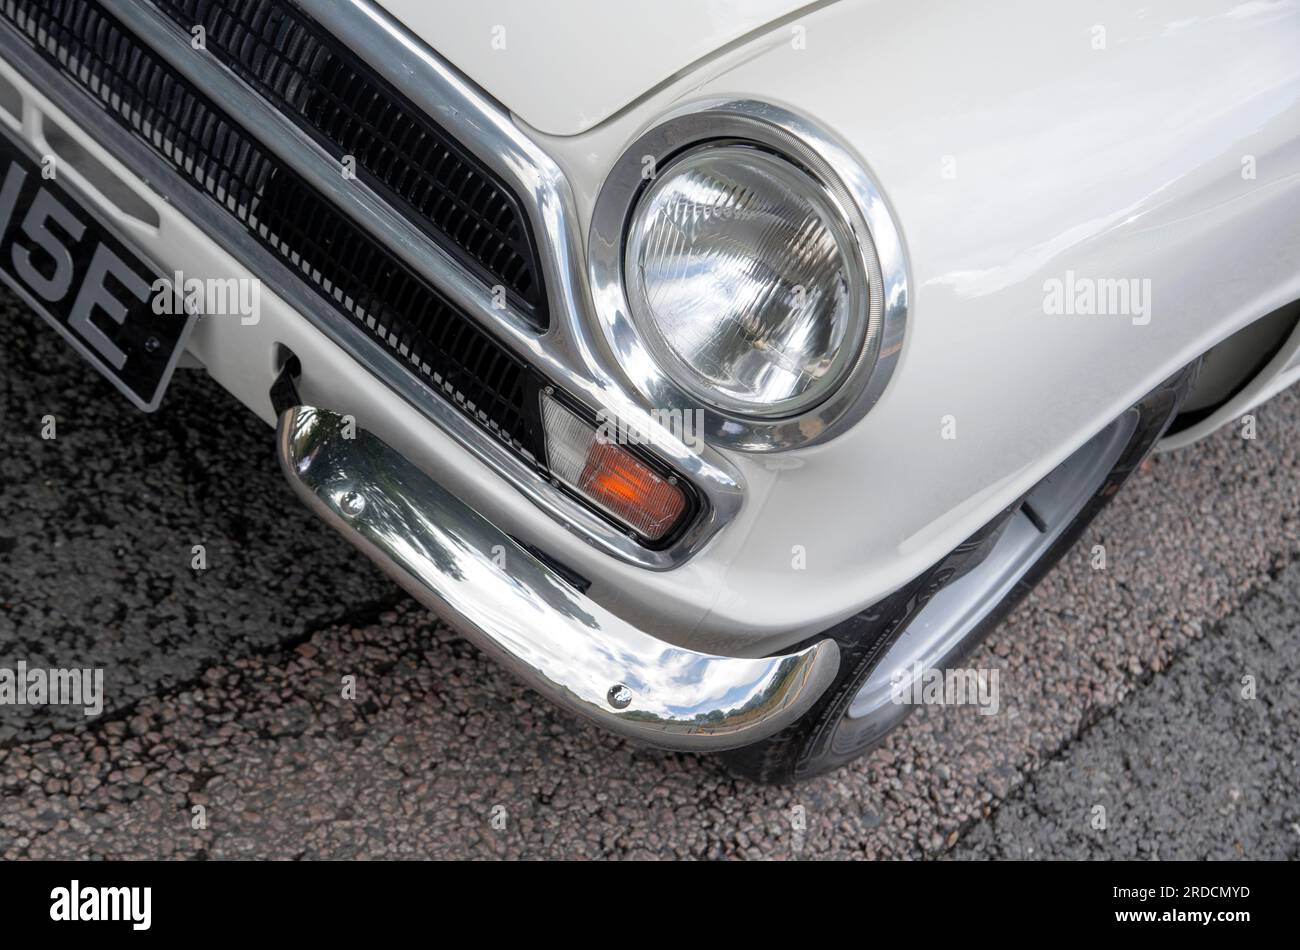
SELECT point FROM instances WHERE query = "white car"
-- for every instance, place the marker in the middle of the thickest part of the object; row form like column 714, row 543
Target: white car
column 720, row 367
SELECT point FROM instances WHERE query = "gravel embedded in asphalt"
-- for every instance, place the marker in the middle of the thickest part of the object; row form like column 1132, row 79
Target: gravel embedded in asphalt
column 225, row 686
column 1203, row 762
column 99, row 527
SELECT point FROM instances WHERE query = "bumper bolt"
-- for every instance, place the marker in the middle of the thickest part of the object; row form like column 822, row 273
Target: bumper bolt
column 620, row 697
column 352, row 504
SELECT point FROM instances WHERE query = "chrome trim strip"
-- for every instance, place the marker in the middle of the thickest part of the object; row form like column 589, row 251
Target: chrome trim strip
column 565, row 353
column 286, row 284
column 568, row 352
column 301, row 153
column 845, row 179
column 519, row 610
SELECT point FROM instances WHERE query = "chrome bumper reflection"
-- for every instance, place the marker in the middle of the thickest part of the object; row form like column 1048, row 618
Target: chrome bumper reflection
column 518, row 609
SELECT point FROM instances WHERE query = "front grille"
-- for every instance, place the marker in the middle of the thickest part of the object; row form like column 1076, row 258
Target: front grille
column 300, row 68
column 283, row 213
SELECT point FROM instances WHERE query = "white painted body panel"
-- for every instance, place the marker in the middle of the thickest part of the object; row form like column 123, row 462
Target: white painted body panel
column 1124, row 162
column 1113, row 163
column 564, row 66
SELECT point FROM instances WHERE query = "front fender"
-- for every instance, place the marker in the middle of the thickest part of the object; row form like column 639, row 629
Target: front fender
column 1022, row 147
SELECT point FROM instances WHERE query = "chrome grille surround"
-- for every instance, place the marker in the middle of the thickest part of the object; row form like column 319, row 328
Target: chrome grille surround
column 566, row 352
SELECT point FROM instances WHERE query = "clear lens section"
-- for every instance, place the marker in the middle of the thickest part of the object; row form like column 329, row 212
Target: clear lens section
column 609, row 476
column 746, row 281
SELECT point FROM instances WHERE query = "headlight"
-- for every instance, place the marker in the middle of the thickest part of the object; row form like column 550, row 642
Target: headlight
column 756, row 275
column 746, row 281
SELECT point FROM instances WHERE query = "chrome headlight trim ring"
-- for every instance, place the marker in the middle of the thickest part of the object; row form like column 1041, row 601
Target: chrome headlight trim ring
column 853, row 190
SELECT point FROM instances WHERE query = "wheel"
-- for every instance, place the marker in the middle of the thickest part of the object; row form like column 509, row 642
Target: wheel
column 937, row 619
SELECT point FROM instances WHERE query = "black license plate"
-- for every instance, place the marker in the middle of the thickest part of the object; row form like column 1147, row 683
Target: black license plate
column 62, row 257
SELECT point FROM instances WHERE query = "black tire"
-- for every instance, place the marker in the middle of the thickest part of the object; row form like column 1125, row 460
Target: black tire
column 809, row 747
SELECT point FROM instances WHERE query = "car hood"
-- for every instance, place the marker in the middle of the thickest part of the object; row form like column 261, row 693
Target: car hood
column 563, row 66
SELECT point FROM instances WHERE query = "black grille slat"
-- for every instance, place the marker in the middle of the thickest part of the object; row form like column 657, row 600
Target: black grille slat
column 297, row 66
column 339, row 260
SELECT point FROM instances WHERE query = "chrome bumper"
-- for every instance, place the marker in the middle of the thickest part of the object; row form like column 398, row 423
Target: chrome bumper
column 515, row 607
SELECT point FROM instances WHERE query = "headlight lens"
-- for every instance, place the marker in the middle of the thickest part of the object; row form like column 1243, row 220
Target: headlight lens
column 746, row 281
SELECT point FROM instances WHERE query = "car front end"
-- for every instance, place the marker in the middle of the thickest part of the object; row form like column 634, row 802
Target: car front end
column 647, row 371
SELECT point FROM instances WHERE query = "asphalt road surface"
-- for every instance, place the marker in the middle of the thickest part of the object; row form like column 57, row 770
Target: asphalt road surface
column 1162, row 690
